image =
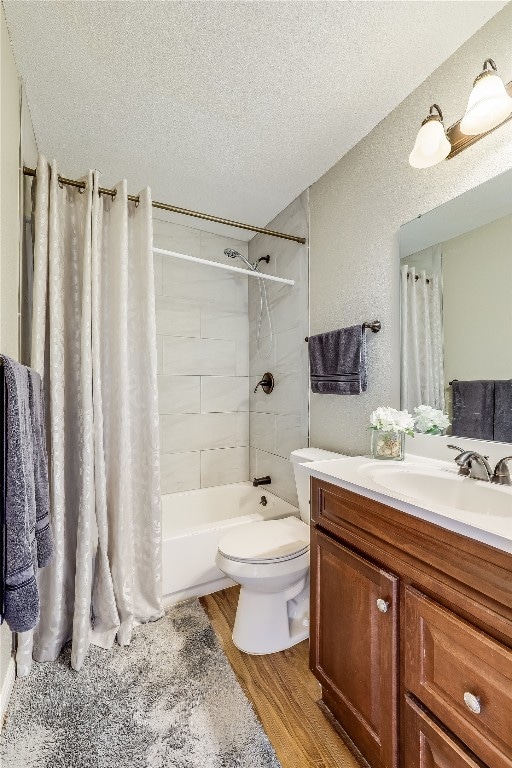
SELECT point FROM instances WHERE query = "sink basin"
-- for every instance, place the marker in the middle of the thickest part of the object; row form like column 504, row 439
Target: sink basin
column 422, row 487
column 444, row 487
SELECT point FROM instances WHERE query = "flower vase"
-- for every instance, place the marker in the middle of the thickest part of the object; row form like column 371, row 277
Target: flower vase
column 388, row 445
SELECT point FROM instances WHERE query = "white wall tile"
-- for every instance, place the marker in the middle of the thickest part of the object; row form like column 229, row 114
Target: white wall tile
column 259, row 364
column 189, row 357
column 196, row 432
column 242, row 358
column 174, row 237
column 281, row 473
column 242, row 428
column 213, row 369
column 290, row 434
column 181, row 280
column 174, row 318
column 179, row 394
column 225, row 465
column 285, row 306
column 242, row 292
column 180, row 471
column 218, row 322
column 279, row 421
column 262, row 431
column 289, row 349
column 218, row 287
column 224, row 393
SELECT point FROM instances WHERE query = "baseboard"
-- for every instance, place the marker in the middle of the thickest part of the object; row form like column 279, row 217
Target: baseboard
column 197, row 591
column 5, row 693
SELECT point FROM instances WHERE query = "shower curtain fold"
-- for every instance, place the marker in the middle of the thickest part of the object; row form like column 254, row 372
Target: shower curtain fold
column 422, row 352
column 94, row 343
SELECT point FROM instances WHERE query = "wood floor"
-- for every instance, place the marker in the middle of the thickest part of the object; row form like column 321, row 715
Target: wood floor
column 284, row 694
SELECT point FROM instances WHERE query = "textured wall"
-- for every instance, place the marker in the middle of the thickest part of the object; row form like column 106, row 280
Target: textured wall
column 279, row 421
column 203, row 350
column 357, row 208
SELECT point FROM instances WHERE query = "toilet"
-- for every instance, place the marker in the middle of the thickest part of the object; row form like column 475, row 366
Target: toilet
column 270, row 561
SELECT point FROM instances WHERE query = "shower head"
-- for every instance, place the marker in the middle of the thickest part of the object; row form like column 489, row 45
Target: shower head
column 232, row 254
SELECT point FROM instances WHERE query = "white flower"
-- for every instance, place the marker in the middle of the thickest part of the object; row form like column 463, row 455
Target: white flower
column 430, row 420
column 392, row 420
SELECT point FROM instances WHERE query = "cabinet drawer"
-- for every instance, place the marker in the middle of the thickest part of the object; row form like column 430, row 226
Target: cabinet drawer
column 463, row 676
column 428, row 746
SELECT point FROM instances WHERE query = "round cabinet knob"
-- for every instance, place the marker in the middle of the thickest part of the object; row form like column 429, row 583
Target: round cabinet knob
column 382, row 605
column 472, row 702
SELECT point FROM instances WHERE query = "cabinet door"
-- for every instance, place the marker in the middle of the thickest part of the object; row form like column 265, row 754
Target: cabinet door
column 429, row 746
column 354, row 646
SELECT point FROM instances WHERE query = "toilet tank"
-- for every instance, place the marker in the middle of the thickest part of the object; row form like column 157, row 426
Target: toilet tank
column 299, row 458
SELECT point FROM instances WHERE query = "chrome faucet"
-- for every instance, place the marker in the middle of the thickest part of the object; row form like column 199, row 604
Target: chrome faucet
column 473, row 464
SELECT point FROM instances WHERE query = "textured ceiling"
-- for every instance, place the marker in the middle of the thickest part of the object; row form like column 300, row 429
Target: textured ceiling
column 228, row 107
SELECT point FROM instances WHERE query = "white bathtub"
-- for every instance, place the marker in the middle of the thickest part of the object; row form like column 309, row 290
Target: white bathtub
column 193, row 523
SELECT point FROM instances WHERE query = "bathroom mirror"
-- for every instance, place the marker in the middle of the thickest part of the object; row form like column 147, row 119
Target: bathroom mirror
column 456, row 310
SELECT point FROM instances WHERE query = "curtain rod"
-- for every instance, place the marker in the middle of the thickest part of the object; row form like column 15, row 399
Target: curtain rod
column 176, row 209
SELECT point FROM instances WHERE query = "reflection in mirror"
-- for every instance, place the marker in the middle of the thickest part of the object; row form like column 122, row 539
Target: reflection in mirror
column 456, row 311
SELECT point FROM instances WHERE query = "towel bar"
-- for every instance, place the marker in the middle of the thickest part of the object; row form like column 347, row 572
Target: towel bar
column 374, row 326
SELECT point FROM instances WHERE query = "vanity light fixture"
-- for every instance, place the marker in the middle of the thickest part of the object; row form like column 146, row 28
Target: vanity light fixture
column 489, row 106
column 489, row 103
column 431, row 145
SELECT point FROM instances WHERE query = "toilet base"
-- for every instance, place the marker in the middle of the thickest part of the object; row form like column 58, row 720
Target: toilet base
column 268, row 623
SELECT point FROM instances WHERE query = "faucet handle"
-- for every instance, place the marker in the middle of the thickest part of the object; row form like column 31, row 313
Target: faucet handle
column 502, row 472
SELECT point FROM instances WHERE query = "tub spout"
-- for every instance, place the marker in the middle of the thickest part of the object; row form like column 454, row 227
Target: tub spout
column 261, row 481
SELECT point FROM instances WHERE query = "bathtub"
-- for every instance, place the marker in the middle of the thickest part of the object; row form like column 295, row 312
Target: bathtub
column 193, row 522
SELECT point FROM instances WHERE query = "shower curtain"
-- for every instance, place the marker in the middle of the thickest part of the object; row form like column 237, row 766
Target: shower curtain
column 94, row 343
column 422, row 339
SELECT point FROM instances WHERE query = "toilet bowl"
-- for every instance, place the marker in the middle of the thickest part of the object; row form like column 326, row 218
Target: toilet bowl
column 270, row 561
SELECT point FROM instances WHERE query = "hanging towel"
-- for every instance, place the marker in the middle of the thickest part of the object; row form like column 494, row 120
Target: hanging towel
column 28, row 536
column 503, row 411
column 338, row 362
column 473, row 409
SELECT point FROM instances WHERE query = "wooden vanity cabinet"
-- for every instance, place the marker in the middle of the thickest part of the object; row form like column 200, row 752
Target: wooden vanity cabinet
column 411, row 635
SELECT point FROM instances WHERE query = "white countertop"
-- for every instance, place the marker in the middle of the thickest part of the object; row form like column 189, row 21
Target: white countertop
column 354, row 474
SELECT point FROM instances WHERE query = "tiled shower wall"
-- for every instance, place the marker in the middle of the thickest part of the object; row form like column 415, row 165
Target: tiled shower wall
column 203, row 358
column 279, row 421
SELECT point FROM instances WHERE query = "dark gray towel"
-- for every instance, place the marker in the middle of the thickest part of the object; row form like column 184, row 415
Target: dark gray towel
column 338, row 362
column 473, row 409
column 28, row 538
column 503, row 411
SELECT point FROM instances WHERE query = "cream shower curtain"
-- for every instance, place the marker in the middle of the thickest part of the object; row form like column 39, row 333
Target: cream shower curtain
column 422, row 339
column 94, row 343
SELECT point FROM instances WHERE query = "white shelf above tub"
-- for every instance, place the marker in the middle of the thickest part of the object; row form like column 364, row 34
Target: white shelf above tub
column 228, row 267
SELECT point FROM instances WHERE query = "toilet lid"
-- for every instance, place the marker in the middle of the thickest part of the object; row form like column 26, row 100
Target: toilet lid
column 266, row 541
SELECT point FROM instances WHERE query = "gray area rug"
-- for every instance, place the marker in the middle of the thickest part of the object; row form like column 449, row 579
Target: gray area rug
column 168, row 699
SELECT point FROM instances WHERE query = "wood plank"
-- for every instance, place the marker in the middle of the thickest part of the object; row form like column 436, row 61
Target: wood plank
column 284, row 694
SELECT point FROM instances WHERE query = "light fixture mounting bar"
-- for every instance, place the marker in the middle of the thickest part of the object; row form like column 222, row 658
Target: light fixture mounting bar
column 460, row 141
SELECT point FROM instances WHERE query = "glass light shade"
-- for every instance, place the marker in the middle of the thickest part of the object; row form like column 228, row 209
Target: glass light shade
column 431, row 145
column 489, row 105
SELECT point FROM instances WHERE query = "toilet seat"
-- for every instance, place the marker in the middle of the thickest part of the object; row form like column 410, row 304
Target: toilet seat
column 268, row 541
